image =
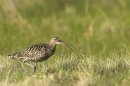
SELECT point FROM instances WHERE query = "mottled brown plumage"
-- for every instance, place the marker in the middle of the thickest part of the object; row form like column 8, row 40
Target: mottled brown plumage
column 39, row 52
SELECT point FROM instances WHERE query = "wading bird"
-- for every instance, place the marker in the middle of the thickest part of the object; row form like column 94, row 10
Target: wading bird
column 39, row 52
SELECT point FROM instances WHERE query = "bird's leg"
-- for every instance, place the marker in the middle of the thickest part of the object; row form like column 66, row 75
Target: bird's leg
column 24, row 61
column 34, row 67
column 27, row 63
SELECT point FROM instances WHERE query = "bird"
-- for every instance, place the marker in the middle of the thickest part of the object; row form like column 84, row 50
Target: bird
column 39, row 52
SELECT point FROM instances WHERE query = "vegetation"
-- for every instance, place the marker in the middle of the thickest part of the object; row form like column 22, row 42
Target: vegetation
column 99, row 29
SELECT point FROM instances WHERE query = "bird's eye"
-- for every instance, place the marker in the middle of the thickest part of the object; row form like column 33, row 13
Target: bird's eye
column 56, row 39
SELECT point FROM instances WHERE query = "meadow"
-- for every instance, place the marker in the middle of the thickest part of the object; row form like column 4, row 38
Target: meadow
column 99, row 29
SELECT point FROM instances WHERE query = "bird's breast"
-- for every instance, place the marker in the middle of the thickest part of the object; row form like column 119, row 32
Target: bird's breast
column 48, row 53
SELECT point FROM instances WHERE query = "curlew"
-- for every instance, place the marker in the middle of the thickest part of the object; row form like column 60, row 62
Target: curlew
column 39, row 52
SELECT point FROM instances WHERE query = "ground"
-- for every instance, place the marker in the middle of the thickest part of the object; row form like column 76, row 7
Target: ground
column 99, row 30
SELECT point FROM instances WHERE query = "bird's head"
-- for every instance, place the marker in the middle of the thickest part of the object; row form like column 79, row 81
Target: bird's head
column 57, row 41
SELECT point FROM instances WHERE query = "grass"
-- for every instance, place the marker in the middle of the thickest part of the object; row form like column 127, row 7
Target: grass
column 98, row 29
column 73, row 70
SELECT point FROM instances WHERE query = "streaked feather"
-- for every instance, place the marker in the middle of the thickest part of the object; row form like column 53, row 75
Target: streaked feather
column 37, row 52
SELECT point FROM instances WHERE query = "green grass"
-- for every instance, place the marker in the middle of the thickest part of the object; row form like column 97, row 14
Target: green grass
column 99, row 30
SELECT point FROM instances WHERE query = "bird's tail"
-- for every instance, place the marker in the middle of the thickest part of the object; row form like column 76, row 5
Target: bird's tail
column 12, row 56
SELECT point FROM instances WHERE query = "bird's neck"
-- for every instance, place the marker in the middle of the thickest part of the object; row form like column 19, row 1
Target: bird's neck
column 52, row 45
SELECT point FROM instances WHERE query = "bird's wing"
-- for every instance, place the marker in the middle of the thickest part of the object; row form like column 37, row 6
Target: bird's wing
column 36, row 50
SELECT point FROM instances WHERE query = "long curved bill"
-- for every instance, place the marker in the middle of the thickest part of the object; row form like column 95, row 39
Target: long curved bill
column 69, row 46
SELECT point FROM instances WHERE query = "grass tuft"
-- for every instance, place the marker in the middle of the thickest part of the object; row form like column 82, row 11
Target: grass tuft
column 98, row 29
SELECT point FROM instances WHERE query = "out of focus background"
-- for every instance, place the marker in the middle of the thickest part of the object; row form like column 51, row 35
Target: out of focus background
column 98, row 28
column 91, row 26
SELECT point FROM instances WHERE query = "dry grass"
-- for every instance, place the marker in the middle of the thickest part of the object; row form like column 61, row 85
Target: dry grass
column 98, row 29
column 67, row 70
